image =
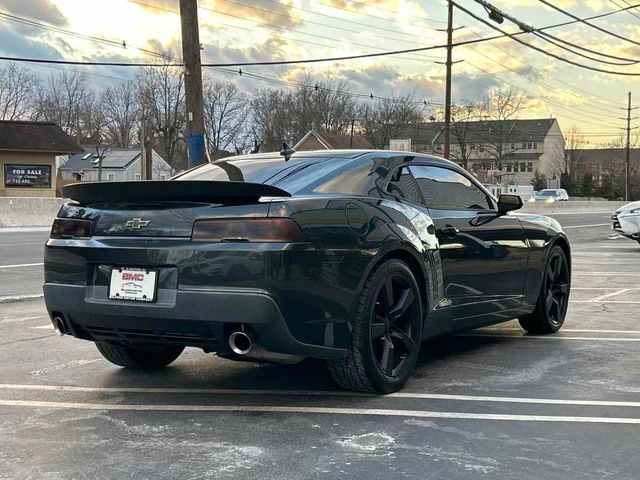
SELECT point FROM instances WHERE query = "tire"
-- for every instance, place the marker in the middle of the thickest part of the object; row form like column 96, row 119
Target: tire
column 553, row 299
column 142, row 357
column 386, row 332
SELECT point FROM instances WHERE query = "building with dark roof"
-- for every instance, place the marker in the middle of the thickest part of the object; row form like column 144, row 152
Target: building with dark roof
column 28, row 152
column 496, row 151
column 602, row 162
column 118, row 165
column 315, row 140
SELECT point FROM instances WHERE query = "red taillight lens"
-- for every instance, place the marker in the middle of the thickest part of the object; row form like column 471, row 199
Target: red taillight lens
column 70, row 228
column 248, row 230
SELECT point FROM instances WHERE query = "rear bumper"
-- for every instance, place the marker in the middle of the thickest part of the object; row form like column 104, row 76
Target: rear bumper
column 200, row 317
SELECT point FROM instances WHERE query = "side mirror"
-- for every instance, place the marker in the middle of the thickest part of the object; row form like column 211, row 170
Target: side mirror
column 508, row 202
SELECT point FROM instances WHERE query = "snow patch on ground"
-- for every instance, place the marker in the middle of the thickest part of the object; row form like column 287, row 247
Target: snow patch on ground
column 368, row 442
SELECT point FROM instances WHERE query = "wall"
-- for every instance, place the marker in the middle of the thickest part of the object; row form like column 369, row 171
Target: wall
column 35, row 158
column 28, row 211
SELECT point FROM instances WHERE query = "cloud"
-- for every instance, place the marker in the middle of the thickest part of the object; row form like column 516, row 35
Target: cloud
column 43, row 10
column 262, row 12
column 12, row 43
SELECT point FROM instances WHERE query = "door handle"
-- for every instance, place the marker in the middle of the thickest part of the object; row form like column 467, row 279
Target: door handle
column 449, row 230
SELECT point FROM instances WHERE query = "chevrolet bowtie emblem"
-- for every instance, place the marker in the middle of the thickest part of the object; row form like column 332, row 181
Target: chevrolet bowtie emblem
column 137, row 223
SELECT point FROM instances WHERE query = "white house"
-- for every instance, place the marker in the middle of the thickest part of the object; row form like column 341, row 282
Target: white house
column 118, row 164
column 509, row 151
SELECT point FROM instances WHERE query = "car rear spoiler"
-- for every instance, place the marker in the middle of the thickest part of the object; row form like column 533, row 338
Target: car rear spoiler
column 170, row 191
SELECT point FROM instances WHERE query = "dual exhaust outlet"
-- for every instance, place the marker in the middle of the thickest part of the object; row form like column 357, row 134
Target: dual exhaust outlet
column 244, row 345
column 59, row 326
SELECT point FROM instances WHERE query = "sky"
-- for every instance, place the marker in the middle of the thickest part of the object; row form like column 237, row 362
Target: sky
column 266, row 30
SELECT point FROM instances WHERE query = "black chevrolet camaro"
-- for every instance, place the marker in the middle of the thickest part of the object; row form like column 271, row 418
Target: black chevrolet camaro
column 352, row 256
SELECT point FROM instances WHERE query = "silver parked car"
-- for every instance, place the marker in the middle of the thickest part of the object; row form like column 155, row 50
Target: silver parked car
column 551, row 195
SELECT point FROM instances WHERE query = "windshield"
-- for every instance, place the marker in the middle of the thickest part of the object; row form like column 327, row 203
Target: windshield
column 547, row 193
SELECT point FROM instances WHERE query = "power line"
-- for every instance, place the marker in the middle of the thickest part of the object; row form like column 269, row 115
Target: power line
column 628, row 11
column 586, row 22
column 365, row 4
column 538, row 49
column 279, row 27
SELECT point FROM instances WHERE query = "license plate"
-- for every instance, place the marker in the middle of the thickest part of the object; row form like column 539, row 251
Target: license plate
column 136, row 284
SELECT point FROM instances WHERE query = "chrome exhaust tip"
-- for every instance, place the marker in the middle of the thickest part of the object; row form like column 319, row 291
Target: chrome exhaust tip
column 240, row 343
column 59, row 326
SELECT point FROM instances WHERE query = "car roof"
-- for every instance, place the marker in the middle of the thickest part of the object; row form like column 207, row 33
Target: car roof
column 335, row 154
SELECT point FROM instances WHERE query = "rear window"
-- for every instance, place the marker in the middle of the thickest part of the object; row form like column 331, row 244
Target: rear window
column 255, row 170
column 360, row 176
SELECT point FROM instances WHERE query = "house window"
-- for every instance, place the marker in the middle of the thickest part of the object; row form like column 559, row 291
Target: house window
column 515, row 167
column 439, row 147
column 138, row 176
column 530, row 167
column 535, row 145
column 523, row 167
column 77, row 177
column 481, row 148
column 524, row 146
column 513, row 146
column 163, row 177
column 508, row 167
column 111, row 177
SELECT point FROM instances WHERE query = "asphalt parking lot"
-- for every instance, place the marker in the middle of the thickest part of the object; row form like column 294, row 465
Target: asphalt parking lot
column 492, row 403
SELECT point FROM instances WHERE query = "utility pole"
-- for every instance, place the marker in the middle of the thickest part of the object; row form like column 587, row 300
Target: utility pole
column 447, row 95
column 628, row 150
column 143, row 140
column 193, row 82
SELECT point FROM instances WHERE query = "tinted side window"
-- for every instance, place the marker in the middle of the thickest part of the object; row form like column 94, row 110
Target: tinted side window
column 403, row 185
column 445, row 189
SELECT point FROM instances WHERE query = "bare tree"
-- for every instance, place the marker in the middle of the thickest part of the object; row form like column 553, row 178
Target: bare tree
column 271, row 116
column 225, row 117
column 120, row 109
column 462, row 119
column 17, row 89
column 501, row 107
column 161, row 95
column 66, row 98
column 386, row 118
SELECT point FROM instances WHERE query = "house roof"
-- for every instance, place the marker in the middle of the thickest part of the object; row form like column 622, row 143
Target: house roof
column 483, row 131
column 336, row 141
column 35, row 137
column 112, row 158
column 604, row 155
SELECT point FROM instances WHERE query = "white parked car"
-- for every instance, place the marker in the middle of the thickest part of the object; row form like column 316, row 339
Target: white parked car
column 550, row 195
column 626, row 221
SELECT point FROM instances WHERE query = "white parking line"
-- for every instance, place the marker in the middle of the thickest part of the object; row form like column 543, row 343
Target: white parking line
column 323, row 393
column 594, row 274
column 22, row 319
column 622, row 302
column 20, row 265
column 549, row 337
column 608, row 295
column 17, row 298
column 319, row 410
column 577, row 330
column 585, row 226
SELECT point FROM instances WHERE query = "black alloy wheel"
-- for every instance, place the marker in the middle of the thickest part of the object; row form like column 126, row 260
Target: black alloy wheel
column 557, row 288
column 396, row 319
column 553, row 300
column 386, row 332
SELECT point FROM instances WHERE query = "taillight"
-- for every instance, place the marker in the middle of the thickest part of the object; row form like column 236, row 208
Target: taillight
column 70, row 228
column 248, row 230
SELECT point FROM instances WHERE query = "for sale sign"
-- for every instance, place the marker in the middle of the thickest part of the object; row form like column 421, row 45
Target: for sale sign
column 28, row 176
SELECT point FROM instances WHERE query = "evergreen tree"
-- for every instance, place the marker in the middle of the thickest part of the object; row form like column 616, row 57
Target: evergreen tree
column 539, row 181
column 586, row 187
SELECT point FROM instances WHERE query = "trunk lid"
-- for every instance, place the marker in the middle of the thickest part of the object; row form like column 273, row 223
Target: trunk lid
column 163, row 209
